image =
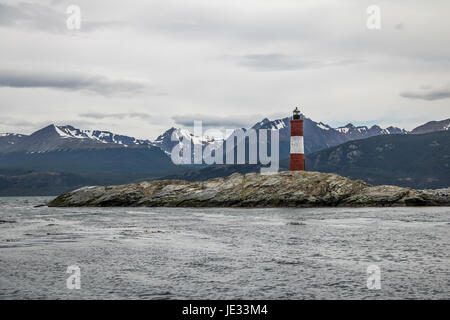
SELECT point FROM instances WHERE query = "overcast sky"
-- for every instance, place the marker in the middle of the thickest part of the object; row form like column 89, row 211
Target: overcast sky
column 139, row 68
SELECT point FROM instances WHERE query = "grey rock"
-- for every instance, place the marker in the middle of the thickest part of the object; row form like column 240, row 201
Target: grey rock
column 283, row 189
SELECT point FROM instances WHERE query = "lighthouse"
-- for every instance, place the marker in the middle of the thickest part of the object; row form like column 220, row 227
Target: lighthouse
column 297, row 156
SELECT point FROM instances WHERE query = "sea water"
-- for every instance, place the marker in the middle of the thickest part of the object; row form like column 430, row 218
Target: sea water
column 218, row 253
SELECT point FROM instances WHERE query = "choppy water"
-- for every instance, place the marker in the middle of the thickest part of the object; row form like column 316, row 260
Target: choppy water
column 162, row 253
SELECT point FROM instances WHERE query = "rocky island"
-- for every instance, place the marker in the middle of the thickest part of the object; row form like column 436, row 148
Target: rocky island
column 283, row 189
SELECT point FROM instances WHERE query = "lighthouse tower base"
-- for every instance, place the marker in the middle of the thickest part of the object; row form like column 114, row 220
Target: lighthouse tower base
column 297, row 162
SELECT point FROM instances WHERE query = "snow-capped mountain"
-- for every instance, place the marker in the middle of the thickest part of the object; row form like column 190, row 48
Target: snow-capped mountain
column 318, row 135
column 165, row 142
column 349, row 130
column 268, row 124
column 100, row 136
column 352, row 130
column 54, row 137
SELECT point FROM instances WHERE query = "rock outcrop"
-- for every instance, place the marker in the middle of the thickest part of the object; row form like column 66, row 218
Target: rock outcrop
column 284, row 189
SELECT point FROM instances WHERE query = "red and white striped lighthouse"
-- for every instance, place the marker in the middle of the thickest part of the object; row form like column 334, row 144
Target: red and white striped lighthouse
column 297, row 158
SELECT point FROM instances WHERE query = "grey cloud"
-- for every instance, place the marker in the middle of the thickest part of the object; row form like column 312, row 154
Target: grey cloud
column 9, row 15
column 40, row 17
column 11, row 121
column 33, row 16
column 94, row 25
column 428, row 93
column 399, row 26
column 216, row 121
column 280, row 62
column 17, row 125
column 100, row 116
column 77, row 123
column 221, row 19
column 330, row 28
column 72, row 82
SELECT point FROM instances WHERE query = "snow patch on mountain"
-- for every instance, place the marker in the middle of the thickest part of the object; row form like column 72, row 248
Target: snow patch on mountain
column 323, row 126
column 169, row 139
column 99, row 136
column 62, row 133
column 7, row 134
column 343, row 129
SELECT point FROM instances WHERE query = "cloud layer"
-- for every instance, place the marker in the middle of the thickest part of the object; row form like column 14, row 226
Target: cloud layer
column 70, row 81
column 42, row 17
column 228, row 63
column 428, row 94
column 280, row 62
column 230, row 122
column 120, row 116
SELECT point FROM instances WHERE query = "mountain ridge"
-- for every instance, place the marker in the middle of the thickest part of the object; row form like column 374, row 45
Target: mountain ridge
column 52, row 138
column 432, row 126
column 414, row 160
column 68, row 137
